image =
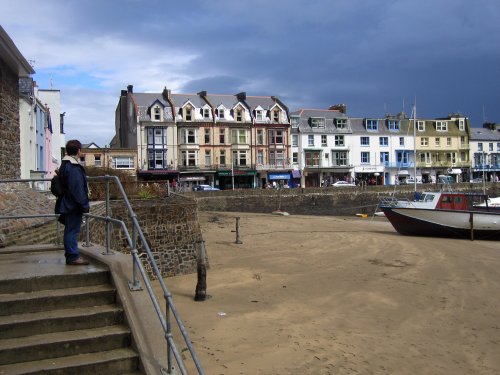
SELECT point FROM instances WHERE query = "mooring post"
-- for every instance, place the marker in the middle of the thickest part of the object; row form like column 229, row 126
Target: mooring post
column 238, row 241
column 201, row 285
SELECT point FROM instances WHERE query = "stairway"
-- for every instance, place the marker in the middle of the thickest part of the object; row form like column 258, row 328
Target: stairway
column 59, row 319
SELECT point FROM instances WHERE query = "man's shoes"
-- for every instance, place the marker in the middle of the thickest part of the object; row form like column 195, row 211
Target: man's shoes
column 77, row 262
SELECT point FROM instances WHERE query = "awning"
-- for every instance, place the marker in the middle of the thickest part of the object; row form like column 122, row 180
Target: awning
column 454, row 171
column 278, row 176
column 403, row 173
column 296, row 173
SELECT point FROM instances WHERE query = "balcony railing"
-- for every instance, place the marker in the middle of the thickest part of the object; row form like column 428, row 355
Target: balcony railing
column 261, row 167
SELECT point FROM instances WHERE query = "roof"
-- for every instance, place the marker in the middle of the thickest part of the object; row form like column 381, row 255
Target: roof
column 12, row 57
column 484, row 134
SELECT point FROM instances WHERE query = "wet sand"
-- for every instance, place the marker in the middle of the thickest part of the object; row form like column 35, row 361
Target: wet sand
column 333, row 295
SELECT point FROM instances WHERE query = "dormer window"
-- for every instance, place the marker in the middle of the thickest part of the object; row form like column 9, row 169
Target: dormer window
column 295, row 121
column 421, row 126
column 441, row 126
column 276, row 116
column 221, row 113
column 341, row 123
column 206, row 113
column 238, row 115
column 188, row 114
column 157, row 113
column 393, row 125
column 372, row 125
column 317, row 122
column 259, row 116
column 461, row 124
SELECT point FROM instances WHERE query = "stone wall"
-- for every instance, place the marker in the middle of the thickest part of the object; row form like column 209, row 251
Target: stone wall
column 170, row 226
column 10, row 159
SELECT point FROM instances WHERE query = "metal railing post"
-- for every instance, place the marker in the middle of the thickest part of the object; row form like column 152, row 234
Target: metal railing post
column 108, row 223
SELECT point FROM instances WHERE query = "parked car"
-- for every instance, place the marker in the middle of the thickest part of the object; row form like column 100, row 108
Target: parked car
column 342, row 183
column 411, row 180
column 204, row 188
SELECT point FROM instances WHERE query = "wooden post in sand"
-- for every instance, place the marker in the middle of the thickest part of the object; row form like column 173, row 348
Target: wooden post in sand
column 201, row 285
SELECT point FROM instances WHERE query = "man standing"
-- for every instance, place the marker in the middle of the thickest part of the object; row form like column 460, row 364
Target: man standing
column 74, row 202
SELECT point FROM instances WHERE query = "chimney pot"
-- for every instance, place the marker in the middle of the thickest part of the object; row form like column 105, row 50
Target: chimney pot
column 130, row 89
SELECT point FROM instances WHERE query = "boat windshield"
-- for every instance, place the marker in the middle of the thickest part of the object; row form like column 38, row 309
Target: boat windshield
column 428, row 197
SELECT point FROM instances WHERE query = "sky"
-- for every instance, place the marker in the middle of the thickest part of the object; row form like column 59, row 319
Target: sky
column 375, row 56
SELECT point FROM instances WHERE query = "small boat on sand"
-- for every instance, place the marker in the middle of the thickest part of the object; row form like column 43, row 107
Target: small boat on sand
column 443, row 214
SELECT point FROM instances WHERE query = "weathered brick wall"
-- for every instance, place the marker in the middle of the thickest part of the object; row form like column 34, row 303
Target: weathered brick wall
column 10, row 160
column 170, row 226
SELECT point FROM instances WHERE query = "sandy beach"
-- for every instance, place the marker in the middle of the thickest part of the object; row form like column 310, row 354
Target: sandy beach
column 334, row 295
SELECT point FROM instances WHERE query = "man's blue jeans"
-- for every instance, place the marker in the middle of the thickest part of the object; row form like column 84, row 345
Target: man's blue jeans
column 72, row 226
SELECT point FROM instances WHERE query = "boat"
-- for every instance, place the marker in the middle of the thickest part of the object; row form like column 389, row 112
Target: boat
column 491, row 204
column 443, row 214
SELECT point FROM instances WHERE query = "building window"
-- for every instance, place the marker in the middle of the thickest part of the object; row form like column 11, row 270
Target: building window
column 451, row 157
column 157, row 113
column 189, row 136
column 402, row 141
column 260, row 137
column 441, row 126
column 403, row 158
column 206, row 113
column 276, row 158
column 222, row 136
column 462, row 141
column 207, row 136
column 339, row 158
column 97, row 161
column 393, row 125
column 463, row 156
column 260, row 157
column 295, row 158
column 239, row 115
column 275, row 137
column 448, row 141
column 498, row 146
column 295, row 120
column 461, row 124
column 317, row 122
column 156, row 137
column 490, row 147
column 222, row 158
column 323, row 140
column 188, row 114
column 384, row 158
column 189, row 158
column 383, row 141
column 239, row 137
column 259, row 115
column 365, row 158
column 239, row 158
column 339, row 141
column 372, row 125
column 310, row 140
column 437, row 142
column 123, row 162
column 421, row 126
column 220, row 113
column 312, row 158
column 208, row 158
column 480, row 146
column 276, row 116
column 426, row 157
column 295, row 140
column 424, row 141
column 341, row 123
column 365, row 141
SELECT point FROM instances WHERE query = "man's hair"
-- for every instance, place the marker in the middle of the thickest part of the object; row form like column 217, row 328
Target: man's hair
column 72, row 147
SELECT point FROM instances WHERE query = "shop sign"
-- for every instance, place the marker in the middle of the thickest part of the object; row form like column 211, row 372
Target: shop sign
column 278, row 176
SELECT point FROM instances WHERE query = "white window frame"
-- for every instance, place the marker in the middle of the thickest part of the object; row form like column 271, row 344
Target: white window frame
column 441, row 126
column 339, row 141
column 310, row 140
column 123, row 162
column 421, row 126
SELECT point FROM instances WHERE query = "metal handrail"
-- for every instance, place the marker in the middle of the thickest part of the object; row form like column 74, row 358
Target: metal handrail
column 165, row 321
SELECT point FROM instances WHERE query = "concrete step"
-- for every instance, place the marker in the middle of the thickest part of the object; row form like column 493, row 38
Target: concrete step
column 21, row 325
column 29, row 302
column 119, row 361
column 68, row 280
column 63, row 344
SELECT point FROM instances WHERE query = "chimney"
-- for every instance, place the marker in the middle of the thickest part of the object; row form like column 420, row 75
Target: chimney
column 202, row 94
column 130, row 89
column 166, row 94
column 242, row 96
column 342, row 108
column 123, row 93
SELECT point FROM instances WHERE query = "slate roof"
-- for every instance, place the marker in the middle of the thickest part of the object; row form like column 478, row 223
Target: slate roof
column 328, row 115
column 484, row 134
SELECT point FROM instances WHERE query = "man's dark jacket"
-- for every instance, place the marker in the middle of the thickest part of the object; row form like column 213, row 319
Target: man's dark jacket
column 76, row 193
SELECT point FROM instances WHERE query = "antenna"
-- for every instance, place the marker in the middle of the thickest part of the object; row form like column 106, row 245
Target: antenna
column 484, row 115
column 51, row 84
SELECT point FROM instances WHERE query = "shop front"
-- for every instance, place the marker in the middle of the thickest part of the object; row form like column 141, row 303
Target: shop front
column 279, row 179
column 236, row 179
column 369, row 175
column 188, row 180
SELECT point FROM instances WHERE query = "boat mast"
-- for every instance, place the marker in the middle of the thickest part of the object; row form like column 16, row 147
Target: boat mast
column 415, row 146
